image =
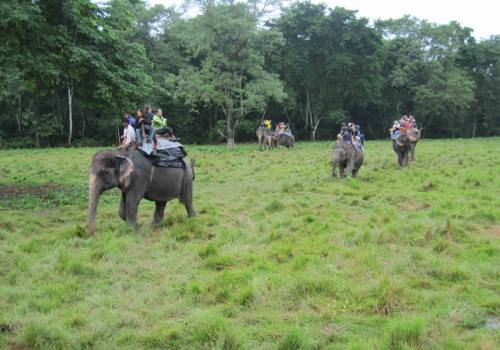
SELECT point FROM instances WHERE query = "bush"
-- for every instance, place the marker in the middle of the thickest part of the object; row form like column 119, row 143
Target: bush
column 43, row 336
column 405, row 334
column 293, row 340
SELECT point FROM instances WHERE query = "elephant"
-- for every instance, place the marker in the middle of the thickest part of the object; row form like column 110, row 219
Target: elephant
column 404, row 146
column 261, row 133
column 137, row 178
column 269, row 140
column 347, row 159
column 286, row 140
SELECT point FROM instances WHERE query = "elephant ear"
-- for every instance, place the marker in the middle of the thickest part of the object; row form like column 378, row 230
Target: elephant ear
column 125, row 169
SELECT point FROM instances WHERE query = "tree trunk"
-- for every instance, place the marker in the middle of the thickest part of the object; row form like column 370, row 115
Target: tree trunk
column 83, row 123
column 18, row 114
column 209, row 119
column 70, row 112
column 314, row 129
column 313, row 134
column 308, row 108
column 230, row 129
column 474, row 128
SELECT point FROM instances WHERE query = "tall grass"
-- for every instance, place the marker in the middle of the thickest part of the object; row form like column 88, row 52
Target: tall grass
column 282, row 256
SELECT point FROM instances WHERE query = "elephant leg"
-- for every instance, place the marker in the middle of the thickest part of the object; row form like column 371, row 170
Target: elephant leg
column 405, row 157
column 350, row 164
column 400, row 158
column 122, row 210
column 159, row 211
column 187, row 199
column 342, row 172
column 355, row 172
column 335, row 166
column 189, row 208
column 412, row 153
column 132, row 204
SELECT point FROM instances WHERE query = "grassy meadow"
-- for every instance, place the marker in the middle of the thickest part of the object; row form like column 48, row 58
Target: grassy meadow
column 281, row 255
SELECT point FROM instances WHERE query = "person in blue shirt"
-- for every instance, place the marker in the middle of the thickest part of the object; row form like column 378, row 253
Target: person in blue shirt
column 131, row 119
column 346, row 137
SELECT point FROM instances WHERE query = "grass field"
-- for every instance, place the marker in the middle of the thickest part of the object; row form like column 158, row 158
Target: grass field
column 281, row 256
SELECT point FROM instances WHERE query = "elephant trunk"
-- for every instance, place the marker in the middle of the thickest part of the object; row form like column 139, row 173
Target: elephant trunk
column 94, row 193
column 414, row 136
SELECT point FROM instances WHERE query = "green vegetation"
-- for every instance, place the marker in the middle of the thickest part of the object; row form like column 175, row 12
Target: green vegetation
column 70, row 69
column 281, row 256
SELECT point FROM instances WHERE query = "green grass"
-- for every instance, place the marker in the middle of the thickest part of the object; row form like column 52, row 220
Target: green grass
column 281, row 256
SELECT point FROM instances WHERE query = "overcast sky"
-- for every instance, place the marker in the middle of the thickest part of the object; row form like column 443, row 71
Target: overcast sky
column 480, row 15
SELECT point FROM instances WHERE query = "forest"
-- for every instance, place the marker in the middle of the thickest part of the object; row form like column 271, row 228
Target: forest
column 70, row 69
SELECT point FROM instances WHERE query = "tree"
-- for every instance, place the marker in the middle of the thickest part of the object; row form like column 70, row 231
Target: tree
column 227, row 57
column 331, row 61
column 482, row 62
column 423, row 73
column 67, row 49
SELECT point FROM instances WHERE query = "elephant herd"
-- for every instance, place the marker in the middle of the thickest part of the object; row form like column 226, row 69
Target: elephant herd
column 271, row 139
column 137, row 178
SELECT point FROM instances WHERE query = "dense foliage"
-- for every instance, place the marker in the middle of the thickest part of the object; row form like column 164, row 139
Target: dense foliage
column 69, row 69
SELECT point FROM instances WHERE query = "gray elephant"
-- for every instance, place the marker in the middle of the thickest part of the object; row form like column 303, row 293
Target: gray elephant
column 137, row 178
column 347, row 159
column 261, row 133
column 285, row 140
column 269, row 140
column 404, row 146
column 266, row 138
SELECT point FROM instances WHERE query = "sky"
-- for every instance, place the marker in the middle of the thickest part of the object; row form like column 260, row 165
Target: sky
column 480, row 15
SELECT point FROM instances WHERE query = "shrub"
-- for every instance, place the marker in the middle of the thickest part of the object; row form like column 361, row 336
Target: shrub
column 404, row 334
column 294, row 339
column 43, row 336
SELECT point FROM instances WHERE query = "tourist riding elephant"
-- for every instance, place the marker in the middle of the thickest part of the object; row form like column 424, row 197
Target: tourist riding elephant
column 404, row 146
column 347, row 159
column 137, row 178
column 286, row 140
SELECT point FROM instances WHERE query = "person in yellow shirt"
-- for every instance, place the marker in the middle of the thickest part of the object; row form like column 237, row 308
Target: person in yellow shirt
column 267, row 123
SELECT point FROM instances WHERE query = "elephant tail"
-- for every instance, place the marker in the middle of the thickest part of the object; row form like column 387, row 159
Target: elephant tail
column 192, row 167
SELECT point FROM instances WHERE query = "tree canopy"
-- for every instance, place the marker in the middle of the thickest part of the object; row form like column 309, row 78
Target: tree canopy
column 70, row 69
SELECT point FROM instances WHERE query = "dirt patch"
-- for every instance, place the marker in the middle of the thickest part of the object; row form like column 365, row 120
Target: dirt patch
column 414, row 206
column 494, row 231
column 492, row 322
column 13, row 191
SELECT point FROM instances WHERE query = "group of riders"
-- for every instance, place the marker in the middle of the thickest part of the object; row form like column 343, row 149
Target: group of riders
column 146, row 127
column 280, row 129
column 148, row 132
column 351, row 134
column 399, row 127
column 149, row 127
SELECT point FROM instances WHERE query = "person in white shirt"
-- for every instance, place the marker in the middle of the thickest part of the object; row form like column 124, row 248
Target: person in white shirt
column 128, row 137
